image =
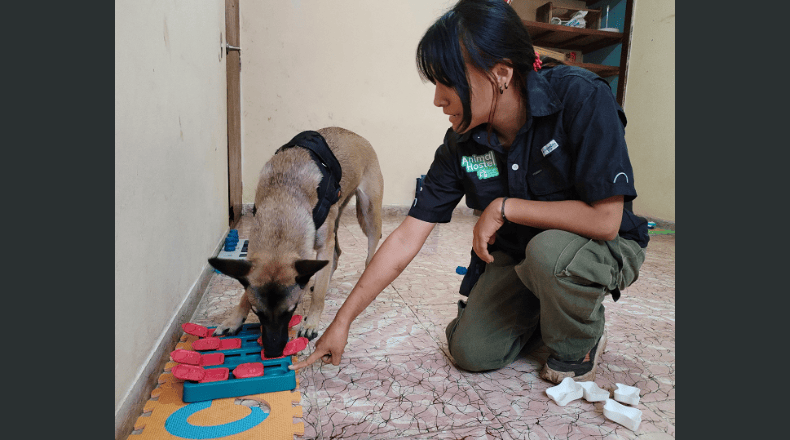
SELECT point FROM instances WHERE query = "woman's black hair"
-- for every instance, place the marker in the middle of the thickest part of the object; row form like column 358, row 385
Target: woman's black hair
column 482, row 33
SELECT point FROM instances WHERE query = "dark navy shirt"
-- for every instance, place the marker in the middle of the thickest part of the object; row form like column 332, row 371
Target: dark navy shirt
column 572, row 147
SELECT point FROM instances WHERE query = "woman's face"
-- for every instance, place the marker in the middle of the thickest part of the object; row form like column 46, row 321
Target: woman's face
column 481, row 95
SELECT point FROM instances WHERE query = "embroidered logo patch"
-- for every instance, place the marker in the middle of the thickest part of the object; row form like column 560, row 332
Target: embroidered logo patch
column 548, row 148
column 484, row 165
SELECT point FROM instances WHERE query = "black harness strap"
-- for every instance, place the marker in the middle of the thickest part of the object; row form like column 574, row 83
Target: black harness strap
column 329, row 188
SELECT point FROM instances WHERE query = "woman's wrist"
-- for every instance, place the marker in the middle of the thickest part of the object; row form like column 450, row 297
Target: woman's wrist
column 502, row 211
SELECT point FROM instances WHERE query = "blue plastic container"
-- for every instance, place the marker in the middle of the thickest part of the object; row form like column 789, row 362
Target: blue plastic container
column 276, row 375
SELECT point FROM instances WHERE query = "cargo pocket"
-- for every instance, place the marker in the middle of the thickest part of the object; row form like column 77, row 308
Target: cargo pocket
column 589, row 267
column 593, row 269
column 630, row 257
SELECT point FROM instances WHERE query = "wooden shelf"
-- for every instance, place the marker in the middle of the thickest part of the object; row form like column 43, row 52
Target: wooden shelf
column 599, row 69
column 586, row 41
column 564, row 37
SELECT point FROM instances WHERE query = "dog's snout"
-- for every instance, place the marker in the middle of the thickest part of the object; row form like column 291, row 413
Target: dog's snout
column 273, row 341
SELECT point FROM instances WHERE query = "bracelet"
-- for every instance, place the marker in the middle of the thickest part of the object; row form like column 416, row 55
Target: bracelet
column 503, row 210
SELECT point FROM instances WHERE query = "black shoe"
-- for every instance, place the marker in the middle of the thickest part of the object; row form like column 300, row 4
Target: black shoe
column 556, row 370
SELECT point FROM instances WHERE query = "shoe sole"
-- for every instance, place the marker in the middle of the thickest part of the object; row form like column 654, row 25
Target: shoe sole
column 557, row 376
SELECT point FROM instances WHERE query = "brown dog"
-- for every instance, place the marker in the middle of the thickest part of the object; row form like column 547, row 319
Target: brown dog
column 285, row 248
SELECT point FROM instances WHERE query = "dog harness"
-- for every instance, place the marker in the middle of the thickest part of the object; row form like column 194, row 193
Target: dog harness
column 331, row 173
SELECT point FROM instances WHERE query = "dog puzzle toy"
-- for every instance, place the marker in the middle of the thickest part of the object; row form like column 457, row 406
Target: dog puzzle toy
column 239, row 369
column 592, row 393
column 193, row 358
column 626, row 394
column 231, row 250
column 231, row 240
column 200, row 374
column 568, row 390
column 250, row 369
column 212, row 343
column 624, row 415
column 291, row 348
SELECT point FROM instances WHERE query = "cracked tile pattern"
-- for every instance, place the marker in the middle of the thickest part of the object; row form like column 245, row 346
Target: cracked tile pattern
column 397, row 379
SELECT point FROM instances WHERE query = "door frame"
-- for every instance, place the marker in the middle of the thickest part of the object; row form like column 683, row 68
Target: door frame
column 233, row 73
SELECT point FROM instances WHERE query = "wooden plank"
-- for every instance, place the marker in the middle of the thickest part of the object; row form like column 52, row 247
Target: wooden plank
column 625, row 52
column 233, row 71
column 600, row 69
column 564, row 37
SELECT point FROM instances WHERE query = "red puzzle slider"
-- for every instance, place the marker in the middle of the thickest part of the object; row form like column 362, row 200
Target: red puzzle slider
column 295, row 320
column 196, row 330
column 292, row 347
column 250, row 369
column 194, row 358
column 213, row 343
column 199, row 374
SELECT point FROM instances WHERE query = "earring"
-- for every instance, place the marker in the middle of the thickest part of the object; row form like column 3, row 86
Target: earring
column 505, row 86
column 501, row 90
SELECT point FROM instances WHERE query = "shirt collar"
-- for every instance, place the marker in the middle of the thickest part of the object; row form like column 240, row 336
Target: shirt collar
column 541, row 98
column 542, row 101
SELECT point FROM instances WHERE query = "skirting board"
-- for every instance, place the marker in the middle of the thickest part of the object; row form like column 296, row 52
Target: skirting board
column 140, row 392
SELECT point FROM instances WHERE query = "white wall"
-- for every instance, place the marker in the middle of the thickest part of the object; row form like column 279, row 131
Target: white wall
column 170, row 170
column 307, row 64
column 650, row 108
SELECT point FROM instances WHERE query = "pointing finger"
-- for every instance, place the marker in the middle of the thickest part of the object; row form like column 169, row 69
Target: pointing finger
column 312, row 358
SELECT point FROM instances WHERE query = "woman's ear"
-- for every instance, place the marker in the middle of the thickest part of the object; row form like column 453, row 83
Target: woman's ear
column 503, row 74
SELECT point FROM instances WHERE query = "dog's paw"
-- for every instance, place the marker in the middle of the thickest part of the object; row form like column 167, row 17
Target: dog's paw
column 229, row 327
column 310, row 334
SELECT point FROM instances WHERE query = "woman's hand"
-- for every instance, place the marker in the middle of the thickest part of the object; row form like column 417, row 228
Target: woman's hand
column 485, row 229
column 329, row 347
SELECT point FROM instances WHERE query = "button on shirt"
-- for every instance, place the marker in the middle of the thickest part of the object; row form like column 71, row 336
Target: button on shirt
column 572, row 147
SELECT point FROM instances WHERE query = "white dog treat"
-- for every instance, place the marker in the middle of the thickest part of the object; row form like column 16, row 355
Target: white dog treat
column 592, row 393
column 626, row 394
column 624, row 415
column 565, row 392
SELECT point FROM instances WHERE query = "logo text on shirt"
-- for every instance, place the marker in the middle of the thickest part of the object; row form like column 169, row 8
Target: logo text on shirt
column 484, row 165
column 548, row 148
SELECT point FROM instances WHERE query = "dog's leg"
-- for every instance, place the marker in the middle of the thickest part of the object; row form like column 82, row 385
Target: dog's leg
column 232, row 324
column 337, row 244
column 309, row 326
column 369, row 217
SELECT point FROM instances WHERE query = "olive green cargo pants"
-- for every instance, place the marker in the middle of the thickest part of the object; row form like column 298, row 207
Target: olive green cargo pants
column 555, row 293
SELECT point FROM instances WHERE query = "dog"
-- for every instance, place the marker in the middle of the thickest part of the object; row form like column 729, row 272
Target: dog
column 286, row 248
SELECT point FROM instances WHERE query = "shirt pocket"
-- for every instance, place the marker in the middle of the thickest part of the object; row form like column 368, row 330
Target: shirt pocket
column 481, row 192
column 549, row 179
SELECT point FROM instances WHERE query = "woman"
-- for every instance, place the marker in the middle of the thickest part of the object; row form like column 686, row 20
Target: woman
column 540, row 150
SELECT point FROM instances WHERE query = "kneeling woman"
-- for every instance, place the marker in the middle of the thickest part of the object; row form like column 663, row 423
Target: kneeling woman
column 540, row 150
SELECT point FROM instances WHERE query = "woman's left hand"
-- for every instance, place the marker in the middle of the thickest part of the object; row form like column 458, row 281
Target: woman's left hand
column 485, row 229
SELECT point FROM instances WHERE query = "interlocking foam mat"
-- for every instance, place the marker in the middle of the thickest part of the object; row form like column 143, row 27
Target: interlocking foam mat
column 659, row 231
column 166, row 416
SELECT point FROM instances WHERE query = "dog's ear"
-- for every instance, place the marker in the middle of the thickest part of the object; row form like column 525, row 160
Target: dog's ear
column 307, row 268
column 233, row 268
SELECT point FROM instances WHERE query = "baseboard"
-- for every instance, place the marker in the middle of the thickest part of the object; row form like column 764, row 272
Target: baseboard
column 127, row 413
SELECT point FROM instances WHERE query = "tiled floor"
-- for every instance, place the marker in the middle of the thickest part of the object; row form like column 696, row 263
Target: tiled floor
column 396, row 379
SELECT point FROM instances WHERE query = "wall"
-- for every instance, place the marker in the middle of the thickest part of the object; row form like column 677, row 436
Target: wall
column 526, row 8
column 310, row 64
column 650, row 108
column 170, row 177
